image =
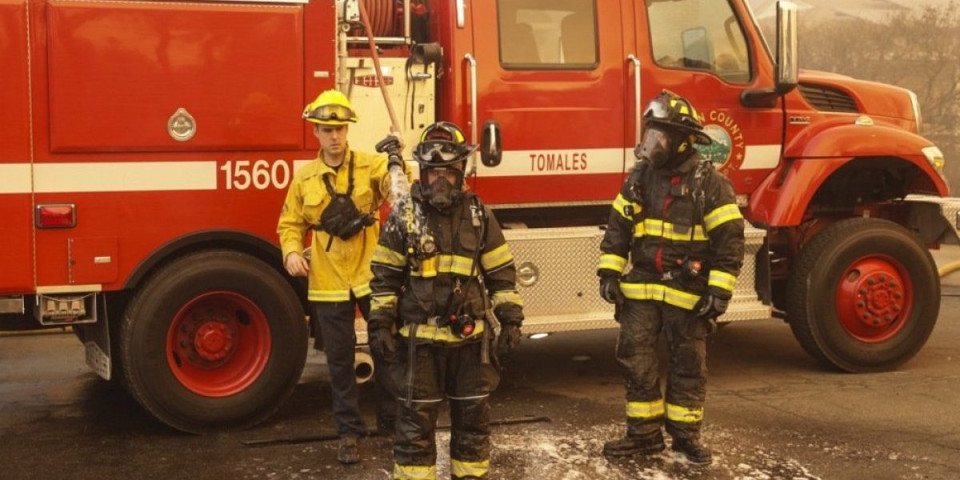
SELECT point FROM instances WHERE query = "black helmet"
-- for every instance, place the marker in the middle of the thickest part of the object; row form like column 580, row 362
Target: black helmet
column 675, row 112
column 442, row 144
column 442, row 154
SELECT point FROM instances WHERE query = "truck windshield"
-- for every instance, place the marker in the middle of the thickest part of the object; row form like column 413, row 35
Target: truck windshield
column 699, row 35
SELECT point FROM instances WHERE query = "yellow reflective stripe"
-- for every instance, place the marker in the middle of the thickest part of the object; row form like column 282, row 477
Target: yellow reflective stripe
column 677, row 413
column 613, row 262
column 722, row 280
column 461, row 468
column 506, row 296
column 439, row 334
column 645, row 410
column 659, row 228
column 386, row 256
column 362, row 290
column 496, row 257
column 328, row 295
column 638, row 230
column 454, row 264
column 656, row 291
column 620, row 203
column 414, row 472
column 722, row 214
column 379, row 302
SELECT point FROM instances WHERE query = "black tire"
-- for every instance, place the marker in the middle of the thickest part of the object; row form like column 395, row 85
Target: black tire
column 213, row 341
column 864, row 295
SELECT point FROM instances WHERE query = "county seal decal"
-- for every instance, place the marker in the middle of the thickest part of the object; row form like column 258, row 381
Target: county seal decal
column 726, row 151
column 717, row 152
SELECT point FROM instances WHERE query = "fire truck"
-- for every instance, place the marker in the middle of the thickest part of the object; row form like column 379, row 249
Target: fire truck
column 147, row 147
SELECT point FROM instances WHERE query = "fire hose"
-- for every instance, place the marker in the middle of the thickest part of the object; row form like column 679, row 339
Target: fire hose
column 394, row 125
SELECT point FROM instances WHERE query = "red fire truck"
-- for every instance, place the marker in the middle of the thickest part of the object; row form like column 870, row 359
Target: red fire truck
column 147, row 145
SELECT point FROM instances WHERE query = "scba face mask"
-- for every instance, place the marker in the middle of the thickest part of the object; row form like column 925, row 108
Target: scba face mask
column 656, row 146
column 440, row 191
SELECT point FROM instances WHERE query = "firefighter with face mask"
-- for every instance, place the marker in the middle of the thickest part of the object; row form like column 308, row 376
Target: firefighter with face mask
column 338, row 196
column 441, row 271
column 676, row 221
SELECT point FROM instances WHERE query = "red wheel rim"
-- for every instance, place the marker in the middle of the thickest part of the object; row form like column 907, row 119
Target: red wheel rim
column 218, row 344
column 874, row 298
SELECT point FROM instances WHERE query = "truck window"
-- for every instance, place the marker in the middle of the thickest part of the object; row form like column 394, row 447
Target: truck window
column 698, row 35
column 547, row 35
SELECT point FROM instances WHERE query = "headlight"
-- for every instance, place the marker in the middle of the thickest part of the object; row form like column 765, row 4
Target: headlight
column 935, row 157
column 916, row 111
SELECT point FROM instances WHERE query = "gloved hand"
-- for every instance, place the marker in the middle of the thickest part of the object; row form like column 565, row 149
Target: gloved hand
column 383, row 344
column 508, row 339
column 610, row 289
column 392, row 146
column 711, row 306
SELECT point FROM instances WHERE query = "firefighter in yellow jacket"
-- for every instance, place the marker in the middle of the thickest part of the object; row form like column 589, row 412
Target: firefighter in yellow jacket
column 337, row 198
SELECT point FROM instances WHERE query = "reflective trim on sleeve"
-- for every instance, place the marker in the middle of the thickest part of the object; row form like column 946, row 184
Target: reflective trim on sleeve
column 386, row 256
column 414, row 472
column 328, row 295
column 462, row 468
column 361, row 291
column 440, row 334
column 613, row 262
column 645, row 410
column 620, row 203
column 497, row 257
column 676, row 413
column 656, row 291
column 506, row 296
column 722, row 280
column 721, row 215
column 381, row 302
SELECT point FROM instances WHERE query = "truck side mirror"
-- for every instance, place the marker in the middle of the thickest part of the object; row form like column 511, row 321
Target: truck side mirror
column 788, row 69
column 491, row 146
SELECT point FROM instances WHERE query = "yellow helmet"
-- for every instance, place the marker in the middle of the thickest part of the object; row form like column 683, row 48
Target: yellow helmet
column 330, row 108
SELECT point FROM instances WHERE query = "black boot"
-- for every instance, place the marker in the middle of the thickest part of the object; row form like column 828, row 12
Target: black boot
column 347, row 452
column 634, row 445
column 693, row 450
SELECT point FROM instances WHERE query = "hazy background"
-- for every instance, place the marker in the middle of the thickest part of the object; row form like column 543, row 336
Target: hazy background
column 913, row 44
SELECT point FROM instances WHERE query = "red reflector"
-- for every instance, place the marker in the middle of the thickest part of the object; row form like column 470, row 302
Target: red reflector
column 56, row 216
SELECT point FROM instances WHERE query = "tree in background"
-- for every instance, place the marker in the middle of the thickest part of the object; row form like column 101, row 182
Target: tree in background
column 919, row 51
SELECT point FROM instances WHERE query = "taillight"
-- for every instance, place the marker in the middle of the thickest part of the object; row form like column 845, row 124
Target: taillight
column 56, row 216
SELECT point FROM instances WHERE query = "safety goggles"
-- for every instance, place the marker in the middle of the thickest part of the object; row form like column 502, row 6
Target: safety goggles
column 327, row 113
column 439, row 151
column 657, row 110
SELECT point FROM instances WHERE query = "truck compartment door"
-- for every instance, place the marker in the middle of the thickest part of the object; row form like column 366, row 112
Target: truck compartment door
column 173, row 76
column 16, row 215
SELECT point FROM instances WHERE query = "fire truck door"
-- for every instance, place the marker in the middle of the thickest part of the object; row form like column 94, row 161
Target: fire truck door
column 551, row 73
column 16, row 217
column 703, row 50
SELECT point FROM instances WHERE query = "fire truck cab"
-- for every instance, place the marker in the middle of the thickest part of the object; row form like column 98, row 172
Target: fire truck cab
column 147, row 146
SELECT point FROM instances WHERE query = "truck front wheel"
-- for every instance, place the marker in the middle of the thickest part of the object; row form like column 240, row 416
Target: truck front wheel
column 864, row 295
column 213, row 341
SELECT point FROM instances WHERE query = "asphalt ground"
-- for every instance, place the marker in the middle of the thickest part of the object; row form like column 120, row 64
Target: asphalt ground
column 772, row 413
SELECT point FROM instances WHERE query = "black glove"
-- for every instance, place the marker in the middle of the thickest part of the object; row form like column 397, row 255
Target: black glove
column 610, row 289
column 382, row 343
column 508, row 339
column 391, row 146
column 710, row 306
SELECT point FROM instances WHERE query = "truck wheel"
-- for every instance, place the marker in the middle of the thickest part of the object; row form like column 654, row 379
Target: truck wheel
column 213, row 341
column 864, row 295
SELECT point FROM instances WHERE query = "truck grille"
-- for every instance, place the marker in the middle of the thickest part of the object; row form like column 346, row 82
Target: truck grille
column 828, row 99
